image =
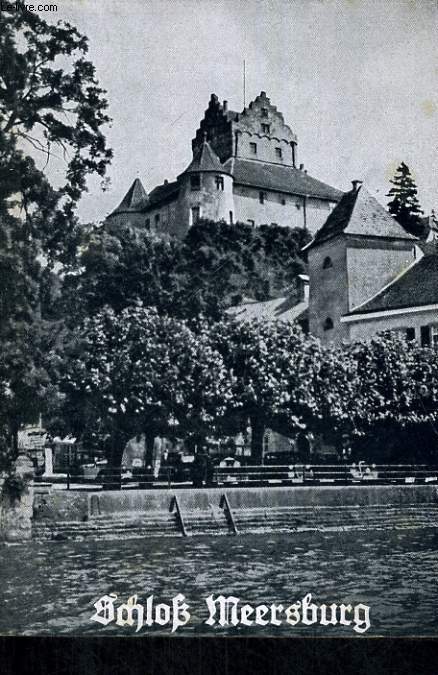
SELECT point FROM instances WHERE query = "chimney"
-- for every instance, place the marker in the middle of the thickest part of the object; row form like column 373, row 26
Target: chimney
column 225, row 106
column 166, row 182
column 356, row 184
column 301, row 167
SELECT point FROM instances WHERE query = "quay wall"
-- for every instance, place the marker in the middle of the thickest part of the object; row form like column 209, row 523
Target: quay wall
column 80, row 505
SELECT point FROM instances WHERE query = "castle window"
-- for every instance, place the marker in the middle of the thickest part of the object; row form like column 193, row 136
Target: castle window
column 328, row 324
column 253, row 148
column 251, row 222
column 327, row 263
column 425, row 336
column 147, row 223
column 196, row 213
column 231, row 217
column 262, row 197
column 278, row 153
column 219, row 182
column 195, row 182
column 283, row 202
column 266, row 128
column 157, row 218
column 264, row 112
column 410, row 333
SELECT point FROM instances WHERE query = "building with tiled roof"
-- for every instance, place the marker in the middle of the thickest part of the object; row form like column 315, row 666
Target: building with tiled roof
column 244, row 168
column 367, row 274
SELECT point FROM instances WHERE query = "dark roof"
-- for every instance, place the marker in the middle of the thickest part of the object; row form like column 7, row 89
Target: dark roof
column 359, row 213
column 162, row 193
column 415, row 287
column 284, row 308
column 205, row 159
column 134, row 201
column 280, row 178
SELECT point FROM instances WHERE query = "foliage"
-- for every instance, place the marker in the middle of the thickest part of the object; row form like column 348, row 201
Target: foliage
column 273, row 367
column 14, row 487
column 50, row 103
column 211, row 269
column 404, row 204
column 139, row 370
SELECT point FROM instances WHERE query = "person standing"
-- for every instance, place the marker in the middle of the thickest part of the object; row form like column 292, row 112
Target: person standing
column 157, row 454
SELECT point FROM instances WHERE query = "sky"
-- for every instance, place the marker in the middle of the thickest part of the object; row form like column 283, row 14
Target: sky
column 356, row 81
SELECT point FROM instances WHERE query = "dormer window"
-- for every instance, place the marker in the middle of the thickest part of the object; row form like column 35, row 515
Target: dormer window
column 328, row 324
column 327, row 263
column 195, row 182
column 266, row 128
column 219, row 182
column 264, row 112
column 253, row 148
column 278, row 153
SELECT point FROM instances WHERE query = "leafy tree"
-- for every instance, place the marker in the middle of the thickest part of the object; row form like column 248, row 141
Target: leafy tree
column 273, row 368
column 136, row 370
column 50, row 103
column 384, row 396
column 211, row 269
column 404, row 205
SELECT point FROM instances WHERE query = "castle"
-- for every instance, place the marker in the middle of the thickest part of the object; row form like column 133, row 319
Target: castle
column 366, row 273
column 243, row 169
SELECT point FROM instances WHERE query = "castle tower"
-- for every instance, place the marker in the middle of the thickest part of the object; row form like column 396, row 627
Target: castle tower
column 258, row 133
column 131, row 209
column 359, row 249
column 206, row 188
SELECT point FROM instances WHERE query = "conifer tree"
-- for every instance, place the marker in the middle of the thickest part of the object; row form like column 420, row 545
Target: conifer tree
column 404, row 205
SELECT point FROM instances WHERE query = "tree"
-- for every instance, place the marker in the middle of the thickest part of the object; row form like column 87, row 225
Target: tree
column 49, row 102
column 211, row 269
column 48, row 107
column 272, row 367
column 383, row 394
column 137, row 370
column 404, row 205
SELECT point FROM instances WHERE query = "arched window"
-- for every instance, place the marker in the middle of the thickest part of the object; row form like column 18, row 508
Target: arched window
column 327, row 263
column 328, row 324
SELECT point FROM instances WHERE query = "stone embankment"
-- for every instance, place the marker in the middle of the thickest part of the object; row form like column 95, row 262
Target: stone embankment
column 216, row 511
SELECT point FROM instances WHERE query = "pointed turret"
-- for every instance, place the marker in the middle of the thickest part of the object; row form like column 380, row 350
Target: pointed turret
column 205, row 160
column 131, row 209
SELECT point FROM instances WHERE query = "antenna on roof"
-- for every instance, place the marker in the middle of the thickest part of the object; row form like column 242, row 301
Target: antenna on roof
column 244, row 83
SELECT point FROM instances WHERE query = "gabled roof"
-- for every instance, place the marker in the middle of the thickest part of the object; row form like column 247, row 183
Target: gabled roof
column 281, row 178
column 205, row 159
column 284, row 309
column 134, row 201
column 162, row 193
column 417, row 286
column 359, row 213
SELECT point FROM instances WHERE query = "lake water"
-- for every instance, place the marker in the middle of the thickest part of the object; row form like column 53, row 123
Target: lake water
column 50, row 588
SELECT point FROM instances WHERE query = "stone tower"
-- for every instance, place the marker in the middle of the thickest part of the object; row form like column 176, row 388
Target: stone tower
column 359, row 249
column 206, row 188
column 258, row 133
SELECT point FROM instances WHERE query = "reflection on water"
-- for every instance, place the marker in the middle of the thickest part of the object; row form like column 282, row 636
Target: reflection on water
column 50, row 588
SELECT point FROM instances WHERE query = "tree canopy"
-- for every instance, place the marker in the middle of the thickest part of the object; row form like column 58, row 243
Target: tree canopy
column 212, row 268
column 50, row 103
column 404, row 204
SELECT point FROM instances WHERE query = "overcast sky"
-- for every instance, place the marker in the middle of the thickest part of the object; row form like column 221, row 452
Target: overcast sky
column 355, row 79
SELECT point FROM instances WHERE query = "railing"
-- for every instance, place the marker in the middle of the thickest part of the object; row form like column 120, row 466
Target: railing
column 252, row 475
